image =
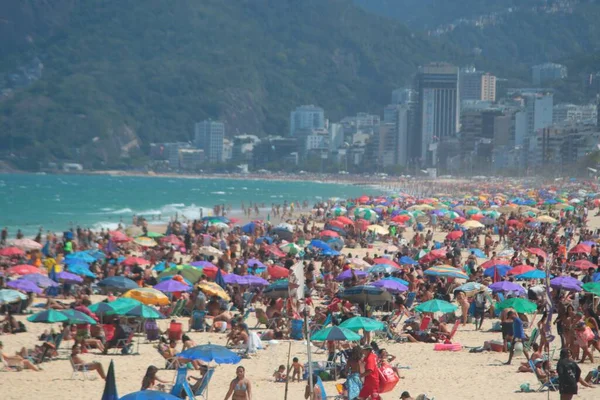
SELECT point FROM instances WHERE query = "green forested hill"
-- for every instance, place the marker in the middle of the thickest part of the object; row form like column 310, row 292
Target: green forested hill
column 121, row 71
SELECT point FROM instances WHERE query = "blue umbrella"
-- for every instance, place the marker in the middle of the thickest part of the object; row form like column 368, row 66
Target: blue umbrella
column 535, row 274
column 41, row 280
column 110, row 386
column 478, row 253
column 382, row 269
column 80, row 256
column 596, row 277
column 97, row 254
column 219, row 279
column 330, row 253
column 319, row 244
column 118, row 282
column 249, row 227
column 408, row 261
column 267, row 239
column 209, row 353
column 161, row 266
column 80, row 269
column 170, row 286
column 48, row 317
column 149, row 395
column 24, row 286
column 502, row 270
column 68, row 277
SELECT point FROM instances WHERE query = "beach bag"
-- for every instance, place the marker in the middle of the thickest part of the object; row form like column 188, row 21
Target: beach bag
column 296, row 332
column 387, row 379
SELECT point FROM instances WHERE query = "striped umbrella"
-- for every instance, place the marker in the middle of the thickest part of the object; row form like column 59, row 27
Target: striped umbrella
column 446, row 271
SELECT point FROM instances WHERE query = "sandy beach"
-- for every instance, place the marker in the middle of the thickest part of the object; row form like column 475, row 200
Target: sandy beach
column 443, row 375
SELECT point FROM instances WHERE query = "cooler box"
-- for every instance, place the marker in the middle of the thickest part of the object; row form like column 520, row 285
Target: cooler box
column 175, row 331
column 496, row 345
column 387, row 379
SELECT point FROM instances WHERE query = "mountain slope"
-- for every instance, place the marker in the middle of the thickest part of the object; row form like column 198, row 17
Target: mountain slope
column 119, row 73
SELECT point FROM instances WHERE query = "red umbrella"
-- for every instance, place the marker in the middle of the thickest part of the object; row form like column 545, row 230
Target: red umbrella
column 337, row 224
column 235, row 220
column 172, row 239
column 11, row 252
column 581, row 248
column 538, row 252
column 275, row 251
column 329, row 233
column 584, row 264
column 401, row 218
column 520, row 269
column 363, row 199
column 494, row 261
column 385, row 261
column 211, row 271
column 277, row 272
column 118, row 237
column 514, row 222
column 454, row 235
column 23, row 269
column 362, row 224
column 345, row 220
column 459, row 220
column 129, row 261
column 432, row 256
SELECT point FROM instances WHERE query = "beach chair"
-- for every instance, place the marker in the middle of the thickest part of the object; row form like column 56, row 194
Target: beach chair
column 410, row 300
column 181, row 385
column 324, row 393
column 425, row 322
column 448, row 336
column 248, row 298
column 543, row 385
column 80, row 370
column 202, row 391
column 532, row 339
column 123, row 343
column 198, row 321
column 262, row 319
column 178, row 308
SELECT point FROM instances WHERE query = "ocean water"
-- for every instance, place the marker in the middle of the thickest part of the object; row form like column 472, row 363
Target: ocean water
column 58, row 202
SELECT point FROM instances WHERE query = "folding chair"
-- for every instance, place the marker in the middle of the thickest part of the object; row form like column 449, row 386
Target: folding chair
column 181, row 384
column 80, row 369
column 410, row 300
column 122, row 343
column 449, row 336
column 202, row 390
column 543, row 385
column 532, row 338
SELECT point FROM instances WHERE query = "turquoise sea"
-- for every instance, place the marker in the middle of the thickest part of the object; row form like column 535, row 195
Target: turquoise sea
column 58, row 202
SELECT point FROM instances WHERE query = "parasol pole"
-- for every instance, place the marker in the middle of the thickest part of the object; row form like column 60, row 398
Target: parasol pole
column 308, row 352
column 287, row 377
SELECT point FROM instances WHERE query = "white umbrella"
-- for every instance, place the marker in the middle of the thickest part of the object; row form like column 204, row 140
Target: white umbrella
column 8, row 296
column 26, row 244
column 210, row 251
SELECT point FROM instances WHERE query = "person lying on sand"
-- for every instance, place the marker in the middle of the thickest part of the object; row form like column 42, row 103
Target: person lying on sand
column 16, row 361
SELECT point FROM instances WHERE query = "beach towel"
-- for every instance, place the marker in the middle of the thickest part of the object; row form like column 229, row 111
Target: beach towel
column 254, row 343
column 323, row 393
column 353, row 385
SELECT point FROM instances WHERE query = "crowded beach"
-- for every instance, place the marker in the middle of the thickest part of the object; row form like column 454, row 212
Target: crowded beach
column 472, row 290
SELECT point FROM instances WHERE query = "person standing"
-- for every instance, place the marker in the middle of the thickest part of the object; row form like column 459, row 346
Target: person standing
column 370, row 389
column 240, row 387
column 569, row 374
column 518, row 335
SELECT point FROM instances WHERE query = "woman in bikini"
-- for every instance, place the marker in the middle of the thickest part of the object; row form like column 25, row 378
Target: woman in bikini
column 240, row 387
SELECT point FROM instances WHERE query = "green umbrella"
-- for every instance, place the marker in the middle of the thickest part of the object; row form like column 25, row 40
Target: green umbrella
column 118, row 307
column 592, row 287
column 432, row 306
column 189, row 272
column 154, row 235
column 518, row 304
column 335, row 333
column 48, row 316
column 145, row 312
column 77, row 317
column 367, row 324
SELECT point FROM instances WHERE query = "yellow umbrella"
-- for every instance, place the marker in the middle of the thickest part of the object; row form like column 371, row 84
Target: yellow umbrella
column 148, row 296
column 212, row 289
column 380, row 230
column 546, row 219
column 145, row 241
column 472, row 224
column 422, row 207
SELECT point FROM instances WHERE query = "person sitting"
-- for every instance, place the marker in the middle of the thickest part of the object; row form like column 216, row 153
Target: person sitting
column 280, row 375
column 16, row 361
column 122, row 332
column 536, row 357
column 81, row 365
column 150, row 379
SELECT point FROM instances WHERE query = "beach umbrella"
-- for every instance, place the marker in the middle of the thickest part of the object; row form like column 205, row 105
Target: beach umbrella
column 26, row 244
column 253, row 262
column 253, row 280
column 347, row 274
column 334, row 224
column 390, row 285
column 378, row 229
column 345, row 220
column 40, row 280
column 23, row 269
column 210, row 251
column 154, row 235
column 584, row 264
column 149, row 395
column 470, row 288
column 118, row 283
column 172, row 240
column 502, row 270
column 535, row 274
column 356, row 324
column 538, row 252
column 48, row 316
column 566, row 283
column 148, row 296
column 134, row 230
column 520, row 305
column 211, row 353
column 405, row 260
column 110, row 386
column 382, row 260
column 520, row 269
column 131, row 261
column 335, row 333
column 68, row 277
column 170, row 286
column 161, row 266
column 8, row 296
column 339, row 211
column 203, row 264
column 81, row 269
column 546, row 219
column 119, row 237
column 291, row 248
column 277, row 272
column 319, row 244
column 77, row 317
column 329, row 233
column 435, row 305
column 144, row 311
column 581, row 249
column 11, row 252
column 212, row 289
column 145, row 241
column 477, row 253
column 506, row 286
column 188, row 272
column 382, row 269
column 366, row 294
column 24, row 286
column 471, row 224
column 267, row 239
column 212, row 271
column 447, row 271
column 454, row 235
column 592, row 287
column 285, row 226
column 119, row 306
column 358, row 262
column 79, row 257
column 277, row 289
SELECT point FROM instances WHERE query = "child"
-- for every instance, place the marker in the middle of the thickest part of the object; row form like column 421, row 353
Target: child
column 280, row 375
column 298, row 369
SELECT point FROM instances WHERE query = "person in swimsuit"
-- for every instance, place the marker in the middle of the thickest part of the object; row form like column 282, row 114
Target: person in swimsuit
column 240, row 387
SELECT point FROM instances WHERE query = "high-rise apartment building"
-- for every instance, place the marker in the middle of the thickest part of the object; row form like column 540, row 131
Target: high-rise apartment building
column 306, row 118
column 209, row 136
column 438, row 109
column 477, row 85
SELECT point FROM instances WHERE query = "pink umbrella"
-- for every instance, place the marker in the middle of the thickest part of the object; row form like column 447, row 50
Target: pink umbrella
column 11, row 252
column 329, row 233
column 129, row 261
